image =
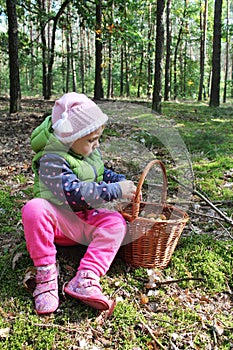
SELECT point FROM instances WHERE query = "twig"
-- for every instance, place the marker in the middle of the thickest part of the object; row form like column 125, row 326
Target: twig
column 62, row 328
column 197, row 193
column 226, row 218
column 205, row 215
column 228, row 233
column 152, row 334
column 177, row 280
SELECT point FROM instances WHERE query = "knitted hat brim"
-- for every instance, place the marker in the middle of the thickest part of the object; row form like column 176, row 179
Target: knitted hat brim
column 84, row 132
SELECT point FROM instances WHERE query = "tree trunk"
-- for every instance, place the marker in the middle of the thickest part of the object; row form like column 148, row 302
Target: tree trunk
column 110, row 55
column 159, row 47
column 67, row 61
column 15, row 93
column 216, row 56
column 127, row 88
column 122, row 71
column 82, row 60
column 140, row 73
column 167, row 83
column 98, row 89
column 44, row 46
column 203, row 29
column 176, row 51
column 63, row 62
column 227, row 54
column 184, row 72
column 32, row 63
column 110, row 82
column 149, row 53
column 232, row 75
column 72, row 61
column 52, row 49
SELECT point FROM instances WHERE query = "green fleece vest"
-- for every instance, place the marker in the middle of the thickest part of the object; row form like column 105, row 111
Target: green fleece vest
column 44, row 142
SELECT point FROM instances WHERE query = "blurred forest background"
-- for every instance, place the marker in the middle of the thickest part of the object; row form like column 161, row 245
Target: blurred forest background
column 159, row 51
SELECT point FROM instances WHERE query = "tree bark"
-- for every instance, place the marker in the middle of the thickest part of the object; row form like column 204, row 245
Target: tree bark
column 167, row 83
column 157, row 90
column 98, row 89
column 140, row 73
column 52, row 49
column 67, row 36
column 110, row 82
column 203, row 28
column 176, row 51
column 216, row 56
column 13, row 44
column 149, row 53
column 127, row 87
column 82, row 59
column 122, row 71
column 227, row 54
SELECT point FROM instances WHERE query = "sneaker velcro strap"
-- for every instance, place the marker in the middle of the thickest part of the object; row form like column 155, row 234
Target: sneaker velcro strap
column 88, row 274
column 46, row 276
column 90, row 283
column 45, row 287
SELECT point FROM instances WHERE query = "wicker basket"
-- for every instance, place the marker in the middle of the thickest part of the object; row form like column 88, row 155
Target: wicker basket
column 151, row 242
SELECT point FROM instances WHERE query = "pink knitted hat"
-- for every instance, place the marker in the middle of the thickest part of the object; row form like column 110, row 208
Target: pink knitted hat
column 74, row 116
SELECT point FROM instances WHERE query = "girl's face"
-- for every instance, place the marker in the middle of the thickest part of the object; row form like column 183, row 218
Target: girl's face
column 87, row 144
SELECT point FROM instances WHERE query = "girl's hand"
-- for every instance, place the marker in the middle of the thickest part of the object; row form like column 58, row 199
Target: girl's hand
column 128, row 189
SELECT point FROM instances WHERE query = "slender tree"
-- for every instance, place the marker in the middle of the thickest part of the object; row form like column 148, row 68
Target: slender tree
column 68, row 55
column 110, row 82
column 177, row 48
column 216, row 56
column 72, row 61
column 127, row 69
column 167, row 83
column 110, row 54
column 82, row 54
column 149, row 52
column 52, row 49
column 122, row 71
column 13, row 44
column 203, row 29
column 159, row 47
column 98, row 89
column 227, row 54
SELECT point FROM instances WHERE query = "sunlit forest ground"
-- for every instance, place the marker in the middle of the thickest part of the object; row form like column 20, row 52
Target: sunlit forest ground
column 188, row 305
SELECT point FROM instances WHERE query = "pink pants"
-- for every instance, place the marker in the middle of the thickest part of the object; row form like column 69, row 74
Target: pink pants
column 46, row 224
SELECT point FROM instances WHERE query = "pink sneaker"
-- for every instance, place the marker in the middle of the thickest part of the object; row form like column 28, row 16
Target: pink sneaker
column 46, row 292
column 85, row 287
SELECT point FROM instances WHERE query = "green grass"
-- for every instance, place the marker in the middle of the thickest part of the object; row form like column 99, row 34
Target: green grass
column 201, row 256
column 194, row 304
column 196, row 256
column 206, row 133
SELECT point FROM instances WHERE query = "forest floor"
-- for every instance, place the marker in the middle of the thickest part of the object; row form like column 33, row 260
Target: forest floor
column 189, row 304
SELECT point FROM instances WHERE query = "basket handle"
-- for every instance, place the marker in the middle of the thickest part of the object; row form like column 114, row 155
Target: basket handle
column 136, row 200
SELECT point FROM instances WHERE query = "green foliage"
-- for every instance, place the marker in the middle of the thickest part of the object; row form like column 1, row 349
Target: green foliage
column 200, row 256
column 203, row 130
column 9, row 212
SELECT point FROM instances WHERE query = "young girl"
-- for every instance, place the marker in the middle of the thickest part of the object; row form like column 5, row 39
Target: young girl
column 71, row 183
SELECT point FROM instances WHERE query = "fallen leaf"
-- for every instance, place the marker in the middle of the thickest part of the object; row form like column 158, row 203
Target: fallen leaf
column 144, row 298
column 15, row 259
column 4, row 332
column 29, row 280
column 218, row 328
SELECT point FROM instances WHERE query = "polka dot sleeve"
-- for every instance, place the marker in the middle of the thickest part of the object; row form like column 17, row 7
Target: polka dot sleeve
column 110, row 176
column 66, row 187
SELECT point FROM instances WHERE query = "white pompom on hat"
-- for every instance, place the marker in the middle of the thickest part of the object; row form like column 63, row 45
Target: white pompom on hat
column 75, row 116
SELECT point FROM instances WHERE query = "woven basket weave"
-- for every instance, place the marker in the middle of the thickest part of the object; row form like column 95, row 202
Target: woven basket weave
column 152, row 243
